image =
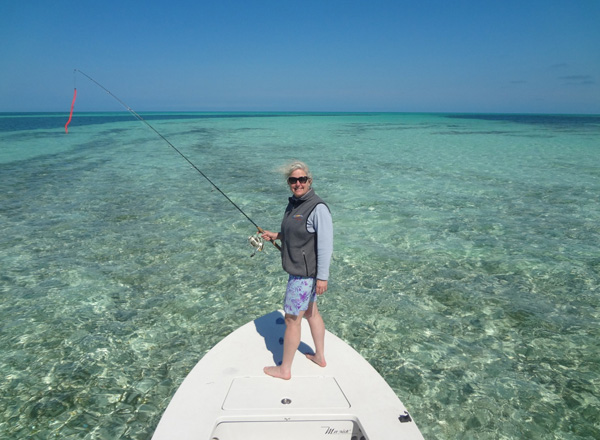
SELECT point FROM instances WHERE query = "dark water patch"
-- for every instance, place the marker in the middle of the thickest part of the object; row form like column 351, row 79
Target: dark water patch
column 34, row 136
column 556, row 122
column 31, row 121
column 492, row 133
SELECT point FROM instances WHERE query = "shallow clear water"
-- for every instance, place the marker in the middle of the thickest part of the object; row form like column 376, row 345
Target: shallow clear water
column 466, row 265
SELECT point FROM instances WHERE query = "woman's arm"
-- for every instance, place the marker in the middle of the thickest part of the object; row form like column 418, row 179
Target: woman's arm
column 320, row 221
column 271, row 236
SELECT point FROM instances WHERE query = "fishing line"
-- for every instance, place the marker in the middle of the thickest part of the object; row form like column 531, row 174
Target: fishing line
column 72, row 104
column 255, row 241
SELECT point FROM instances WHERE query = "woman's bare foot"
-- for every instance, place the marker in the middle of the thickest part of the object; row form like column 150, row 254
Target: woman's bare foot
column 319, row 360
column 277, row 372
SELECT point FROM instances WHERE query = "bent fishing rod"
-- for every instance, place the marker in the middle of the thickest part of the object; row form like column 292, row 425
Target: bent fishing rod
column 255, row 241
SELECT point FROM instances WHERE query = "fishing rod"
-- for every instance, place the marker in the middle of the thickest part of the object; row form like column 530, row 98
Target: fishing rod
column 255, row 241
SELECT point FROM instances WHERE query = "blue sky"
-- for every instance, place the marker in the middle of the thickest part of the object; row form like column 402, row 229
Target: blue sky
column 515, row 56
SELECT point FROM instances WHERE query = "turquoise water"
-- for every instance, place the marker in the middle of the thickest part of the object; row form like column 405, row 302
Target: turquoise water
column 466, row 265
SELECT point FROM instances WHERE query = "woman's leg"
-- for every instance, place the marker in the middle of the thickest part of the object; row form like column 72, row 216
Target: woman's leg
column 291, row 341
column 317, row 329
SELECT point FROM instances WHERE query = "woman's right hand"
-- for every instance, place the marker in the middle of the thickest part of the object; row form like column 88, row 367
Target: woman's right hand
column 270, row 236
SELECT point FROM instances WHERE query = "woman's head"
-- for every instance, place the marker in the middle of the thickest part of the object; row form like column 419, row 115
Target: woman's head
column 298, row 177
column 296, row 165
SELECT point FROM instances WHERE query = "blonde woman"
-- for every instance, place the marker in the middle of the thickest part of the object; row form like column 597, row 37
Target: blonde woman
column 306, row 247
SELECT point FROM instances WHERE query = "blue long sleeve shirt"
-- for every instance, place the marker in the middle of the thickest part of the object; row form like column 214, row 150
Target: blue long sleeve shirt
column 320, row 221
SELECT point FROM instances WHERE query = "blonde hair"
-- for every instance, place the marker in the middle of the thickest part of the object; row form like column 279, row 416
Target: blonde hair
column 294, row 165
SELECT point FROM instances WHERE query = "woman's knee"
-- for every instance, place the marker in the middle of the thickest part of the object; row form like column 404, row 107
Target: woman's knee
column 312, row 311
column 293, row 319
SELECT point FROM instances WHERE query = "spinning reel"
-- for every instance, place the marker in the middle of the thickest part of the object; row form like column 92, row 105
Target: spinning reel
column 256, row 242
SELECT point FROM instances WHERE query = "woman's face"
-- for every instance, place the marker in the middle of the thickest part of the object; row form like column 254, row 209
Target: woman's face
column 298, row 188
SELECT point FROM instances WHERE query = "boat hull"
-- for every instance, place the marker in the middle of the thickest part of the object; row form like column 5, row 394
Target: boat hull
column 227, row 396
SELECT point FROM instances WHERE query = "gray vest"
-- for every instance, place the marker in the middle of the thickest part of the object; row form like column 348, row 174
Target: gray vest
column 299, row 247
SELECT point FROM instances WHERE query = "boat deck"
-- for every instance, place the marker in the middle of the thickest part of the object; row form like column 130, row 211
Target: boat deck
column 227, row 395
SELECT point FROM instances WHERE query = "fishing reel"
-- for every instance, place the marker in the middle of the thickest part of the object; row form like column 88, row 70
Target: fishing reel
column 257, row 243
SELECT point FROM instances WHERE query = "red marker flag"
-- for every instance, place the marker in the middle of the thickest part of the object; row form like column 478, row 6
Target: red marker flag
column 71, row 114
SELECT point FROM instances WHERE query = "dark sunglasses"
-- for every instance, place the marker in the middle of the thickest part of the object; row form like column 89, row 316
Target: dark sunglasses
column 292, row 180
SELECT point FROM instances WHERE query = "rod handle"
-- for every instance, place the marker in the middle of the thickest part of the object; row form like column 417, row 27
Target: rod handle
column 261, row 230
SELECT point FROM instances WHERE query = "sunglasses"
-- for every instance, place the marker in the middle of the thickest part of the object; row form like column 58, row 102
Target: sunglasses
column 292, row 180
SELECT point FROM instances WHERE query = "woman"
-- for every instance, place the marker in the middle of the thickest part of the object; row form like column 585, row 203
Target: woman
column 306, row 247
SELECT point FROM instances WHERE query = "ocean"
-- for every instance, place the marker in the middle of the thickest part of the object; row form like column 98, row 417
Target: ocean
column 466, row 266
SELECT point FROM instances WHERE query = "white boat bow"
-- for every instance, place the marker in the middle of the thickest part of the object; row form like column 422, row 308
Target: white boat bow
column 227, row 396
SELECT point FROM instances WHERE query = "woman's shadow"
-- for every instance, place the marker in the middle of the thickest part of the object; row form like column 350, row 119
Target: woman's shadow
column 272, row 328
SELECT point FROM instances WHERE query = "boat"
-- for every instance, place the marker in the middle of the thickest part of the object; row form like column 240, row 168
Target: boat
column 227, row 396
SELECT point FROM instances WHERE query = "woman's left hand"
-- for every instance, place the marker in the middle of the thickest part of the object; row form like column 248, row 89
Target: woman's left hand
column 321, row 287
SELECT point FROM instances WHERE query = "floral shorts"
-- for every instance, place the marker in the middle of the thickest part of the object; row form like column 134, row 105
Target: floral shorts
column 299, row 293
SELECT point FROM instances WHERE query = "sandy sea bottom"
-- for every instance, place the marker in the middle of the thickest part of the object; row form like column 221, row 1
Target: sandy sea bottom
column 466, row 265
